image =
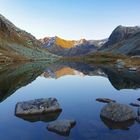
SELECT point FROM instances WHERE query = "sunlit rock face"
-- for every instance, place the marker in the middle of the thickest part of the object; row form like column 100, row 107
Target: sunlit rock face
column 62, row 72
column 70, row 48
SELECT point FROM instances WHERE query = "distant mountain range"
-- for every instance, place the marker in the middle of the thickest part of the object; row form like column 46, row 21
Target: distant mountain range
column 18, row 45
column 63, row 47
column 123, row 40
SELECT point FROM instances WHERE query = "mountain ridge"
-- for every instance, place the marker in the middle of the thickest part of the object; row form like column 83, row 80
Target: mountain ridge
column 19, row 45
column 71, row 48
column 123, row 40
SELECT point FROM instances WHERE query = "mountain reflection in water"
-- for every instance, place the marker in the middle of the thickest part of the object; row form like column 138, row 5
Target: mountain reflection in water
column 15, row 76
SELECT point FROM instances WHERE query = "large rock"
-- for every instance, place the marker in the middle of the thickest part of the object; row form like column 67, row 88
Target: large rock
column 61, row 127
column 117, row 112
column 38, row 106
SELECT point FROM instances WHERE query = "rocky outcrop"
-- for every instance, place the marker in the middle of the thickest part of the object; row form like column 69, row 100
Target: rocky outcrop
column 117, row 112
column 123, row 40
column 121, row 33
column 61, row 127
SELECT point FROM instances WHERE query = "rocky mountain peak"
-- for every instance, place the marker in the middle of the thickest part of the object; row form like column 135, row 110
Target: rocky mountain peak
column 122, row 32
column 119, row 34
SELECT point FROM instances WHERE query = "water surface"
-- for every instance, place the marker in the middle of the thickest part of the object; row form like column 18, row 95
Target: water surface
column 76, row 87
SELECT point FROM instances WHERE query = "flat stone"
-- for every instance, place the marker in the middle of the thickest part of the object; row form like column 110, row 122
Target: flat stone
column 117, row 112
column 105, row 100
column 61, row 127
column 135, row 104
column 38, row 106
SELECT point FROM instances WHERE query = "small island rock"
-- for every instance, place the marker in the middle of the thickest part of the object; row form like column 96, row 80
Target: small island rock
column 38, row 106
column 61, row 127
column 118, row 112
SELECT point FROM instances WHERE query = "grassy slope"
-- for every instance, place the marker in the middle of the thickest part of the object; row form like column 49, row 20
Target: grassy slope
column 17, row 45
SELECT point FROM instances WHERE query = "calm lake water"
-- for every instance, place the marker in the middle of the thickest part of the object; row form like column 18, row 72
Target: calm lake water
column 76, row 87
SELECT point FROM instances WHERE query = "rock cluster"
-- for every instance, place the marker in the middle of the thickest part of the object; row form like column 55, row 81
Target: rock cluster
column 45, row 110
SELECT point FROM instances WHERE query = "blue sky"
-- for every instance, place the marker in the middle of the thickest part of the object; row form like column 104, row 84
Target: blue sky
column 71, row 19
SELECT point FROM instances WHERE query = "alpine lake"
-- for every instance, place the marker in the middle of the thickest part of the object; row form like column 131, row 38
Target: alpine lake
column 76, row 86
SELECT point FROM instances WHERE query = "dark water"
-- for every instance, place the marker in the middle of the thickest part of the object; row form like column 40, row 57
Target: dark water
column 76, row 87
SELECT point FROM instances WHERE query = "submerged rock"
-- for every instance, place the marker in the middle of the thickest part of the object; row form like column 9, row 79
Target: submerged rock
column 135, row 104
column 105, row 100
column 61, row 127
column 117, row 112
column 38, row 106
column 45, row 117
column 117, row 125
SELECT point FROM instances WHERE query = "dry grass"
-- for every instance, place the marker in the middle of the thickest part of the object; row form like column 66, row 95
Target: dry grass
column 105, row 58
